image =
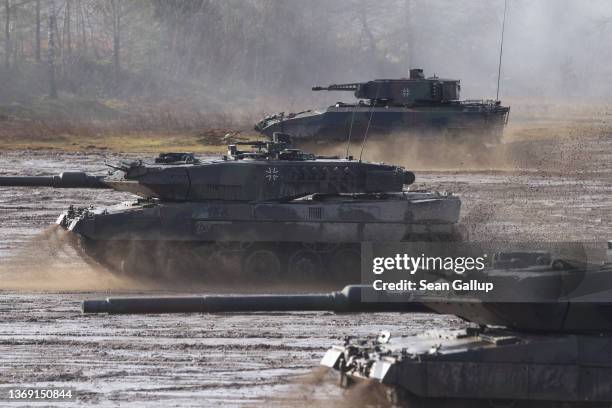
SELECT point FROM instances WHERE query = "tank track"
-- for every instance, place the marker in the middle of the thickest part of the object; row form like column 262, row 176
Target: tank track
column 236, row 262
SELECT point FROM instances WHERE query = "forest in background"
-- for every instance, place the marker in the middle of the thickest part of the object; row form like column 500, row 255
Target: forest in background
column 179, row 64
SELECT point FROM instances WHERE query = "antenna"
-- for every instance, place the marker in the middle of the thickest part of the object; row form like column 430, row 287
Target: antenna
column 348, row 142
column 365, row 135
column 501, row 50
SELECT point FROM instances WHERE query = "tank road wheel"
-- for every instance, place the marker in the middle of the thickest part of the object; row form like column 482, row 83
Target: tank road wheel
column 503, row 403
column 139, row 260
column 234, row 245
column 180, row 260
column 426, row 237
column 460, row 234
column 261, row 265
column 305, row 265
column 321, row 246
column 160, row 260
column 127, row 261
column 224, row 267
column 170, row 267
column 344, row 266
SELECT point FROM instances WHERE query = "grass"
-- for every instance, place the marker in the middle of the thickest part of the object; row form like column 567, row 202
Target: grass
column 73, row 124
column 133, row 142
column 153, row 142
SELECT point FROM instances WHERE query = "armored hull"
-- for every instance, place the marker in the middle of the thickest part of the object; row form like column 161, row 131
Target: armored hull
column 455, row 121
column 308, row 239
column 483, row 367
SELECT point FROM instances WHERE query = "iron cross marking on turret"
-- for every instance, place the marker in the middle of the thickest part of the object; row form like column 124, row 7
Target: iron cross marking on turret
column 272, row 174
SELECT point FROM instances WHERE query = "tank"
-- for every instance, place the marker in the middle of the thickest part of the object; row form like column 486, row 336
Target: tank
column 551, row 352
column 264, row 212
column 409, row 106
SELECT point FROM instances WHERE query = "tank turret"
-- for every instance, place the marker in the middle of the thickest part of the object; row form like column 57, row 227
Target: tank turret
column 402, row 92
column 270, row 170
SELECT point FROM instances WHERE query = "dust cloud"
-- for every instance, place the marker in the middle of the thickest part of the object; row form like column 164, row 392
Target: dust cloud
column 319, row 388
column 53, row 261
column 565, row 149
column 416, row 152
column 50, row 261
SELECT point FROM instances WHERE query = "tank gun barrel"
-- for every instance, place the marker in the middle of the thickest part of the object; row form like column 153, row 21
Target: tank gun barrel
column 67, row 179
column 350, row 299
column 338, row 87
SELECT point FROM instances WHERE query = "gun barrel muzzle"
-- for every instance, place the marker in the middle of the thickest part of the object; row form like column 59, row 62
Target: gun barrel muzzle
column 67, row 179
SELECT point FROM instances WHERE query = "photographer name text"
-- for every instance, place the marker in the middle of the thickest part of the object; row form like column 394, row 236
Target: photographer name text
column 436, row 264
column 424, row 285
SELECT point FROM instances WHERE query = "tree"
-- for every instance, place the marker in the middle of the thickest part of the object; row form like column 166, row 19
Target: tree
column 66, row 34
column 7, row 34
column 51, row 52
column 409, row 61
column 82, row 33
column 116, row 16
column 37, row 30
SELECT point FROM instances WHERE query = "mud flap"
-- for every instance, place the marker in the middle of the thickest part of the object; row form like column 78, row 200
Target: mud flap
column 331, row 357
column 379, row 370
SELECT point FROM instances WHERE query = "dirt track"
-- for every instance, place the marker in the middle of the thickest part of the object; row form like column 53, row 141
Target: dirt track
column 255, row 358
column 169, row 360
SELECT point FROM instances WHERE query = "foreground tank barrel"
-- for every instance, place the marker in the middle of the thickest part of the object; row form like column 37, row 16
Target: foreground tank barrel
column 350, row 299
column 67, row 179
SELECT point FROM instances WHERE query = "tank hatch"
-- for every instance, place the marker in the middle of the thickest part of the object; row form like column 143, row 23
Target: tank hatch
column 279, row 148
column 176, row 158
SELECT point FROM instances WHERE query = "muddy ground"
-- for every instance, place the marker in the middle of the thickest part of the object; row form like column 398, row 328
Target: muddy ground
column 548, row 189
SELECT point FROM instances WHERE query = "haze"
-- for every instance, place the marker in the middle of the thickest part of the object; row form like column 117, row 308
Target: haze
column 233, row 54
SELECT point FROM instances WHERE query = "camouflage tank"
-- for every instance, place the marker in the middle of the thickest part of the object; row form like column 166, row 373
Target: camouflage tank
column 263, row 214
column 411, row 106
column 551, row 351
